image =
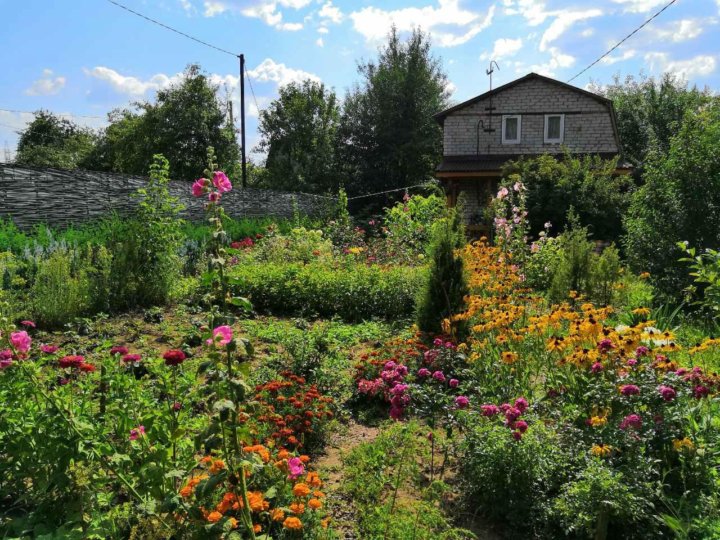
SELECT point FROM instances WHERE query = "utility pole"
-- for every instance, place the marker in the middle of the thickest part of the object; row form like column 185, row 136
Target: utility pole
column 242, row 118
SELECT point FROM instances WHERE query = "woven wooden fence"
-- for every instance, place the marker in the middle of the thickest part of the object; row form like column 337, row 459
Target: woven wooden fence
column 57, row 198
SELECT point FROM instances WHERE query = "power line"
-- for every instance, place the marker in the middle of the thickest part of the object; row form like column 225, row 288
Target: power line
column 631, row 34
column 388, row 191
column 173, row 29
column 252, row 90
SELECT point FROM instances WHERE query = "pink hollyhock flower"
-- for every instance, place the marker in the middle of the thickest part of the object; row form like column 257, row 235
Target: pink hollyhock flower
column 21, row 341
column 629, row 390
column 49, row 349
column 631, row 421
column 200, row 186
column 131, row 358
column 517, row 186
column 668, row 393
column 71, row 361
column 521, row 426
column 222, row 335
column 503, row 193
column 221, row 181
column 521, row 404
column 136, row 433
column 27, row 324
column 5, row 358
column 490, row 410
column 597, row 367
column 453, row 383
column 118, row 349
column 295, row 468
column 174, row 357
column 214, row 197
column 461, row 402
column 423, row 372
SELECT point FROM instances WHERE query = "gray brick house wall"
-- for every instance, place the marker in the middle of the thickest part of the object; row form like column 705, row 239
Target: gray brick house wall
column 588, row 122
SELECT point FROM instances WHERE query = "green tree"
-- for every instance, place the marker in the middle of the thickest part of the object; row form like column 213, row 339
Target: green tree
column 53, row 141
column 298, row 133
column 587, row 184
column 650, row 111
column 680, row 201
column 388, row 138
column 184, row 121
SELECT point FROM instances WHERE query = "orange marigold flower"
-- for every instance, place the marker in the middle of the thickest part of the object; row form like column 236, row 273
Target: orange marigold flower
column 257, row 501
column 283, row 454
column 233, row 522
column 313, row 479
column 297, row 508
column 206, row 459
column 217, row 466
column 292, row 523
column 301, row 490
column 186, row 491
column 305, row 459
column 325, row 522
column 315, row 504
column 214, row 517
column 257, row 528
column 319, row 494
column 277, row 514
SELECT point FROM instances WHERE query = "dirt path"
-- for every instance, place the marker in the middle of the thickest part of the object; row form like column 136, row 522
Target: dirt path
column 330, row 467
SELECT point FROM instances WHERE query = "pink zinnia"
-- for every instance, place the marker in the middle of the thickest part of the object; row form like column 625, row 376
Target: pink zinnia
column 521, row 426
column 629, row 390
column 490, row 410
column 631, row 421
column 668, row 393
column 222, row 335
column 174, row 357
column 27, row 324
column 131, row 358
column 521, row 404
column 71, row 361
column 295, row 468
column 222, row 182
column 461, row 402
column 136, row 433
column 453, row 383
column 423, row 372
column 118, row 349
column 21, row 341
column 439, row 376
column 49, row 349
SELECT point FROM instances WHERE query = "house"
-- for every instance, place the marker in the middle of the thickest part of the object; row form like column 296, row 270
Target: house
column 529, row 116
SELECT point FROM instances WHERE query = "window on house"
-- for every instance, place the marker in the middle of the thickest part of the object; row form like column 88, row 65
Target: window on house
column 554, row 128
column 511, row 128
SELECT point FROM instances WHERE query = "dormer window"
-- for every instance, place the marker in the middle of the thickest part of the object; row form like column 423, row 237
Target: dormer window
column 511, row 129
column 554, row 128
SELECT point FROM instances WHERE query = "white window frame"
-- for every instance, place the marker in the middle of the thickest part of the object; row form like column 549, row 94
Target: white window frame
column 505, row 140
column 560, row 140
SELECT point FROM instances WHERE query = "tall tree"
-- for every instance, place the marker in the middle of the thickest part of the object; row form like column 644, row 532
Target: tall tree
column 184, row 121
column 53, row 141
column 650, row 111
column 299, row 133
column 388, row 138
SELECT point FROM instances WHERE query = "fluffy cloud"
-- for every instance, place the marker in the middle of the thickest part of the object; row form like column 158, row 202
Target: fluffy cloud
column 374, row 23
column 558, row 60
column 332, row 13
column 267, row 11
column 133, row 86
column 610, row 60
column 503, row 47
column 699, row 65
column 682, row 30
column 563, row 21
column 47, row 85
column 319, row 42
column 271, row 71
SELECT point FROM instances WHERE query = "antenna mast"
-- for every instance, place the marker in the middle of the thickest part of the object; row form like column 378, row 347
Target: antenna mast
column 491, row 70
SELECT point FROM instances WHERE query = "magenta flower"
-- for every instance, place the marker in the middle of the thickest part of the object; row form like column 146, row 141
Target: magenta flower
column 28, row 324
column 118, row 349
column 632, row 421
column 200, row 186
column 641, row 351
column 136, row 433
column 512, row 414
column 221, row 182
column 632, row 362
column 605, row 345
column 21, row 341
column 521, row 426
column 490, row 410
column 214, row 197
column 597, row 367
column 295, row 468
column 423, row 372
column 629, row 390
column 5, row 358
column 222, row 335
column 174, row 357
column 453, row 383
column 701, row 391
column 668, row 393
column 439, row 376
column 71, row 361
column 517, row 435
column 521, row 404
column 437, row 342
column 49, row 349
column 461, row 402
column 131, row 358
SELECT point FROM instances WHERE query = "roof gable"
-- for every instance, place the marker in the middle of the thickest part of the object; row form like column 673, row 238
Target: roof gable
column 440, row 117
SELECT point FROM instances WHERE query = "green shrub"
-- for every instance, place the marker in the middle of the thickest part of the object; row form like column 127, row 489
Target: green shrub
column 442, row 295
column 409, row 223
column 61, row 291
column 300, row 245
column 354, row 292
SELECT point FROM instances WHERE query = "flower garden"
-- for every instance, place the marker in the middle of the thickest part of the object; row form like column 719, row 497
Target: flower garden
column 332, row 381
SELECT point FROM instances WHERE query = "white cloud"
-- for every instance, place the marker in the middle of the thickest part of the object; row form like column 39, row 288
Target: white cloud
column 450, row 88
column 639, row 6
column 319, row 42
column 563, row 21
column 267, row 11
column 587, row 32
column 131, row 85
column 187, row 6
column 697, row 66
column 558, row 60
column 503, row 47
column 682, row 30
column 47, row 85
column 533, row 10
column 271, row 71
column 213, row 8
column 323, row 30
column 374, row 23
column 332, row 13
column 627, row 55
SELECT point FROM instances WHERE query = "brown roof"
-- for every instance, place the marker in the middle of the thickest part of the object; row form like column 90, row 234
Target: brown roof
column 490, row 163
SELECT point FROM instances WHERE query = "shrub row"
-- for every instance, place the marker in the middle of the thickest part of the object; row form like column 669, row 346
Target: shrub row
column 353, row 293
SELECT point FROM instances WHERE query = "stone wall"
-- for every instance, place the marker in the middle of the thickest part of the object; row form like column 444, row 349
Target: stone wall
column 588, row 122
column 59, row 198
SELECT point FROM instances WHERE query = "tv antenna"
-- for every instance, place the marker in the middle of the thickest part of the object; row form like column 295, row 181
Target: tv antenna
column 491, row 70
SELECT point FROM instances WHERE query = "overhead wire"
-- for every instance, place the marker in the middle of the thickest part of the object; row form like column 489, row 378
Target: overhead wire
column 619, row 43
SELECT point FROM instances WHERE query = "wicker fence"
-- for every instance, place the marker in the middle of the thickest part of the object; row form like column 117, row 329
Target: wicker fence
column 58, row 198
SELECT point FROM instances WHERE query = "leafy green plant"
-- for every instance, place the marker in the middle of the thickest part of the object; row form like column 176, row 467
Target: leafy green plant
column 61, row 290
column 706, row 271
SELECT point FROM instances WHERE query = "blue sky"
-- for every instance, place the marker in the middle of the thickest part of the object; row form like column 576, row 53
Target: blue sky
column 86, row 57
